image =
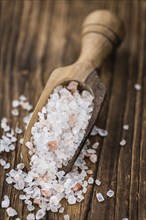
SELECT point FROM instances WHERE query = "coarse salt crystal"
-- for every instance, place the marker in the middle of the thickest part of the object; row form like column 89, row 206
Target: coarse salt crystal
column 6, row 202
column 2, row 162
column 124, row 218
column 61, row 210
column 90, row 180
column 11, row 212
column 15, row 112
column 90, row 172
column 98, row 182
column 30, row 216
column 22, row 98
column 15, row 103
column 101, row 132
column 40, row 214
column 18, row 130
column 93, row 158
column 66, row 217
column 95, row 145
column 122, row 142
column 125, row 127
column 110, row 193
column 7, row 166
column 99, row 197
column 137, row 87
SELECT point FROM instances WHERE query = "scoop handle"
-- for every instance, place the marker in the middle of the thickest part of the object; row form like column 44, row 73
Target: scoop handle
column 102, row 31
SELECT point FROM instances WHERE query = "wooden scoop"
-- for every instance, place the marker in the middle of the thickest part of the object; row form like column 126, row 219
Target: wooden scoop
column 101, row 33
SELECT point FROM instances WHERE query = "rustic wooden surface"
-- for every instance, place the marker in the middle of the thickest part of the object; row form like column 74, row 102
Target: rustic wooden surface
column 36, row 37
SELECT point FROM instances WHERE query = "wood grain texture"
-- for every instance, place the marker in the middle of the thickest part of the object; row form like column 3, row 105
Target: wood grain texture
column 38, row 36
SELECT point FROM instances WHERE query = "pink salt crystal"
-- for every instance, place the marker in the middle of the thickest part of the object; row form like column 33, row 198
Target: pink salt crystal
column 90, row 172
column 46, row 178
column 77, row 187
column 36, row 201
column 72, row 86
column 52, row 145
column 45, row 192
column 72, row 120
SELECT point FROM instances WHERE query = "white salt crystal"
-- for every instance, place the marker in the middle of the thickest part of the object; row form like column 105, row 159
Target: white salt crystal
column 7, row 166
column 99, row 197
column 22, row 197
column 91, row 151
column 95, row 145
column 22, row 98
column 137, row 87
column 61, row 210
column 54, row 200
column 71, row 200
column 125, row 127
column 15, row 103
column 122, row 142
column 90, row 180
column 2, row 162
column 6, row 202
column 15, row 112
column 101, row 132
column 98, row 182
column 66, row 217
column 11, row 212
column 93, row 158
column 110, row 193
column 124, row 218
column 21, row 141
column 40, row 214
column 20, row 166
column 18, row 130
column 30, row 216
column 9, row 180
column 17, row 219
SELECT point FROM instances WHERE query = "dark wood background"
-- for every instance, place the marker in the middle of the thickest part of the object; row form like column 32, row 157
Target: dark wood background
column 38, row 36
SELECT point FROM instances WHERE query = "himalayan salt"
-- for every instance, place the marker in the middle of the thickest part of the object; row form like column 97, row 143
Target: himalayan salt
column 11, row 212
column 137, row 87
column 93, row 158
column 97, row 182
column 6, row 202
column 52, row 145
column 126, row 127
column 123, row 142
column 77, row 187
column 90, row 180
column 30, row 216
column 110, row 193
column 66, row 217
column 99, row 197
column 45, row 192
column 40, row 214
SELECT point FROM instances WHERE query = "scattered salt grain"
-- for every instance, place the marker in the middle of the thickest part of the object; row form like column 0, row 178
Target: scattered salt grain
column 91, row 151
column 90, row 180
column 99, row 197
column 126, row 127
column 101, row 132
column 11, row 212
column 40, row 214
column 30, row 216
column 6, row 202
column 71, row 200
column 98, row 182
column 61, row 210
column 7, row 166
column 20, row 166
column 15, row 112
column 15, row 103
column 22, row 98
column 95, row 145
column 110, row 193
column 2, row 162
column 124, row 218
column 122, row 142
column 18, row 130
column 137, row 87
column 66, row 217
column 93, row 158
column 90, row 172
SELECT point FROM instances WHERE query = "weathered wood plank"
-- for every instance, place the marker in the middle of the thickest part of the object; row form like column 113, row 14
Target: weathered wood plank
column 38, row 36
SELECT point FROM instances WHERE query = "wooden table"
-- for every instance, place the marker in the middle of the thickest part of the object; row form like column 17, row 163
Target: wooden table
column 36, row 37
